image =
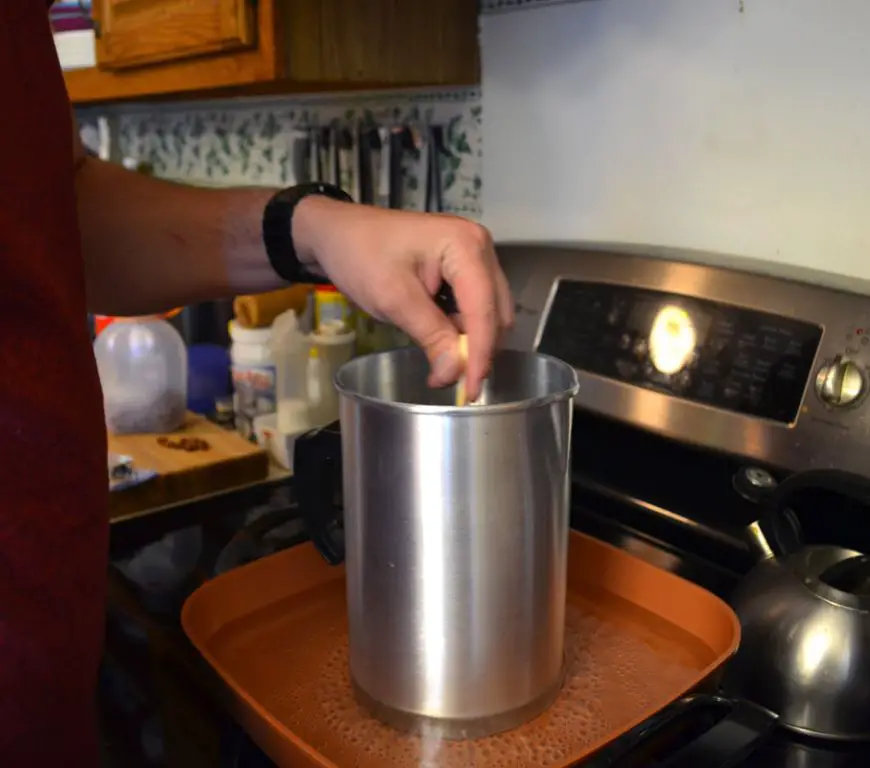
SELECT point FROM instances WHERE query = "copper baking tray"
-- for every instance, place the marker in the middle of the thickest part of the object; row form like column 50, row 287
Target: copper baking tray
column 275, row 631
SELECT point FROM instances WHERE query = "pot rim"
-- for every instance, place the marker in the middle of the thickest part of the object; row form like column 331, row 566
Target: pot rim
column 462, row 411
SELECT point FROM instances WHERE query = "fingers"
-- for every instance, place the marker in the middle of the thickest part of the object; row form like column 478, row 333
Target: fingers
column 461, row 253
column 412, row 308
column 504, row 297
column 504, row 301
column 468, row 267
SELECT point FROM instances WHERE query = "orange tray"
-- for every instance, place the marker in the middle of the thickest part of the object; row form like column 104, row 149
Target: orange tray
column 275, row 631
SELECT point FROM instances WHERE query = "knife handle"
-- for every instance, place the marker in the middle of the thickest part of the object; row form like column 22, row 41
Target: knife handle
column 445, row 299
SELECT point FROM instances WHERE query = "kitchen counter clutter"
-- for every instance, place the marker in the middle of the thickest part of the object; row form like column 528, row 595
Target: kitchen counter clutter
column 166, row 461
column 160, row 48
column 198, row 460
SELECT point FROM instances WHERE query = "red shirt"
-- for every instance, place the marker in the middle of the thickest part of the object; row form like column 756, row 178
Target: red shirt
column 53, row 484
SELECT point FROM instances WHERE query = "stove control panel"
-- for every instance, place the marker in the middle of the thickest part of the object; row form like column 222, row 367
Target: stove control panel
column 773, row 370
column 728, row 357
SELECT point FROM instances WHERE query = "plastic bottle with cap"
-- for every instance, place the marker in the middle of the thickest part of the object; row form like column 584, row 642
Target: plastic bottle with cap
column 330, row 306
column 290, row 353
column 331, row 346
column 254, row 375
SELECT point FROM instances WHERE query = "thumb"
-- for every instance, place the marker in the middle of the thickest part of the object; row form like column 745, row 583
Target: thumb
column 417, row 315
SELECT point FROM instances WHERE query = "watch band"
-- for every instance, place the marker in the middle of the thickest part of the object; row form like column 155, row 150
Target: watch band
column 278, row 229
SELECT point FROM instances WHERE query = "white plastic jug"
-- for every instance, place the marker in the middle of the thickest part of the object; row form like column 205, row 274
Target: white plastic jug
column 305, row 366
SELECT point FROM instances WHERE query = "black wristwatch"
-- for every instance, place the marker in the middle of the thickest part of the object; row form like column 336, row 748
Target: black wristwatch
column 278, row 238
column 278, row 229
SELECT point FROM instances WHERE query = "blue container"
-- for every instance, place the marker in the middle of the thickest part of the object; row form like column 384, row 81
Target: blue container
column 208, row 377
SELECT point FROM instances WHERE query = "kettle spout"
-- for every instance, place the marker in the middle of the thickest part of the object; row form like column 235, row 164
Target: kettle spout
column 758, row 542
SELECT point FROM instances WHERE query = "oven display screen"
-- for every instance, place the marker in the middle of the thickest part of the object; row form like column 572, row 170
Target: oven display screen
column 740, row 360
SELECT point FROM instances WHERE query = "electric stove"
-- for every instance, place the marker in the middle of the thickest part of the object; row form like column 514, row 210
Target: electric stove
column 697, row 385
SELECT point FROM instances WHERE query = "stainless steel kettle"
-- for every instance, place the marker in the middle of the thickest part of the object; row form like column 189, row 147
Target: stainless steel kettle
column 805, row 615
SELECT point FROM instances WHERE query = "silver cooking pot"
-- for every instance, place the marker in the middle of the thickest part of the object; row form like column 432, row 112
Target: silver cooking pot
column 454, row 534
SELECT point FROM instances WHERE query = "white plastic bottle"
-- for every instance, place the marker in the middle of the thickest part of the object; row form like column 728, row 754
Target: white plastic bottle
column 331, row 347
column 290, row 352
column 142, row 362
column 253, row 373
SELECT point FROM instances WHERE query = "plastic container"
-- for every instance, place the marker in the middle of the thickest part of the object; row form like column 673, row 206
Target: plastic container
column 208, row 377
column 290, row 353
column 102, row 321
column 330, row 348
column 330, row 306
column 142, row 363
column 278, row 444
column 253, row 375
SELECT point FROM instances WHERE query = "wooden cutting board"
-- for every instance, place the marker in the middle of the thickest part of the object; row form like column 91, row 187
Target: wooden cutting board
column 229, row 461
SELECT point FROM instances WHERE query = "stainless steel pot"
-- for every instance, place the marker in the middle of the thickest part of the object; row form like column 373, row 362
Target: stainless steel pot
column 805, row 617
column 455, row 537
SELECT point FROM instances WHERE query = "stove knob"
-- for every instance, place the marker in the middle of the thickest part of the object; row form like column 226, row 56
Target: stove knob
column 840, row 382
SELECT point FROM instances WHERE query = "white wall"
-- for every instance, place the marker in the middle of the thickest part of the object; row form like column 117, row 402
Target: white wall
column 736, row 126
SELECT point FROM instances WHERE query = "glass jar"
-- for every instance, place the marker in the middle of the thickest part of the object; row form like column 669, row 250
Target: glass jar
column 142, row 363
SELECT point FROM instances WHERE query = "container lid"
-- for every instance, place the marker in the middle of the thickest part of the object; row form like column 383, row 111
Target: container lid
column 325, row 289
column 107, row 319
column 332, row 340
column 332, row 333
column 244, row 335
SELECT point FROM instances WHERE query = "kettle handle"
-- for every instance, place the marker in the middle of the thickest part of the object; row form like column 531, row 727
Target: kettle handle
column 778, row 524
column 851, row 575
column 317, row 477
column 445, row 299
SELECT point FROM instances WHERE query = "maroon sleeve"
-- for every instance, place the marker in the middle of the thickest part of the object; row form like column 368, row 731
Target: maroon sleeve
column 53, row 484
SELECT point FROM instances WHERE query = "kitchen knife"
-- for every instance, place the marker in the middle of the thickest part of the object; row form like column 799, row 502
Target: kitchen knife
column 368, row 143
column 398, row 139
column 301, row 157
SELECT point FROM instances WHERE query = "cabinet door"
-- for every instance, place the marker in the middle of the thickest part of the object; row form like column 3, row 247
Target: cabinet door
column 134, row 33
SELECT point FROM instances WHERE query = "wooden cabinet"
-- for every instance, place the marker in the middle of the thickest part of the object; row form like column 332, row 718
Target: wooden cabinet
column 138, row 32
column 184, row 48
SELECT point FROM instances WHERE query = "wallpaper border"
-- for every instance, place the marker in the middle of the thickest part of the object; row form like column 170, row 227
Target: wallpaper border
column 250, row 141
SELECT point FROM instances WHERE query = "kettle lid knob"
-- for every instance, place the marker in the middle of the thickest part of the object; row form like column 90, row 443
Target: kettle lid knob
column 754, row 483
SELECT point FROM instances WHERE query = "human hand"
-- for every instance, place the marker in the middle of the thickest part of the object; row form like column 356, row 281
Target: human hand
column 391, row 263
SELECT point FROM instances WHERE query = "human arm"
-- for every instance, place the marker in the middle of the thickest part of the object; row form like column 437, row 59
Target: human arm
column 150, row 244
